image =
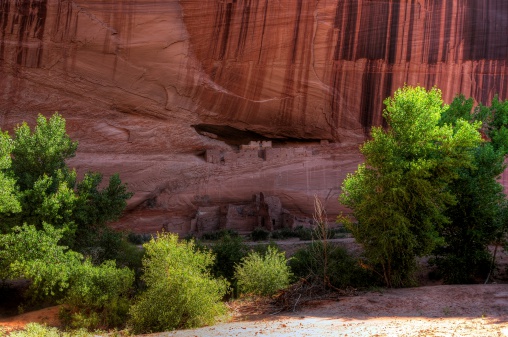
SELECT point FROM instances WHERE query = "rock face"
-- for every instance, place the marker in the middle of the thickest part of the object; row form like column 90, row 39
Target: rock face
column 166, row 91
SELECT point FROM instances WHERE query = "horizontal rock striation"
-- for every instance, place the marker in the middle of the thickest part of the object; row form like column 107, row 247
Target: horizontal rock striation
column 166, row 91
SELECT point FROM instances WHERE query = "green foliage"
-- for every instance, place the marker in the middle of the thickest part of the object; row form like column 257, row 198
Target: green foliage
column 95, row 206
column 87, row 291
column 46, row 190
column 259, row 234
column 98, row 296
column 38, row 330
column 38, row 189
column 304, row 233
column 263, row 274
column 41, row 152
column 217, row 235
column 41, row 204
column 228, row 252
column 8, row 199
column 342, row 269
column 399, row 194
column 476, row 220
column 181, row 292
column 107, row 244
column 284, row 233
column 138, row 239
column 35, row 255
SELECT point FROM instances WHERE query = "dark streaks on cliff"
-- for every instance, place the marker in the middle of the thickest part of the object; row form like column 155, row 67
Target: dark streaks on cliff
column 244, row 29
column 305, row 66
column 394, row 32
column 431, row 34
column 225, row 33
column 345, row 20
column 412, row 11
column 296, row 30
column 265, row 17
column 485, row 30
column 371, row 42
column 4, row 18
column 29, row 19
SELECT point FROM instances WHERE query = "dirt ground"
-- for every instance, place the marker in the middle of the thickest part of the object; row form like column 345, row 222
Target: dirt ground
column 464, row 310
column 47, row 316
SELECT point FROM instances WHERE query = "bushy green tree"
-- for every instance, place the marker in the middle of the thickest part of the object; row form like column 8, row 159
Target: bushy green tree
column 98, row 296
column 47, row 190
column 36, row 256
column 476, row 220
column 42, row 151
column 399, row 194
column 228, row 251
column 263, row 274
column 181, row 292
column 93, row 296
column 9, row 202
column 342, row 271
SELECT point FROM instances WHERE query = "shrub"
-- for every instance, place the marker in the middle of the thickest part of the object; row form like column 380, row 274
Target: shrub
column 181, row 292
column 138, row 239
column 340, row 232
column 36, row 256
column 284, row 233
column 228, row 251
column 303, row 233
column 469, row 268
column 38, row 330
column 342, row 270
column 263, row 274
column 108, row 244
column 262, row 248
column 56, row 273
column 98, row 296
column 217, row 235
column 259, row 234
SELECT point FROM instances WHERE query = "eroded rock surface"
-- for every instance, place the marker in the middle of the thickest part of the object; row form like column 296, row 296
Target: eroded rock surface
column 152, row 89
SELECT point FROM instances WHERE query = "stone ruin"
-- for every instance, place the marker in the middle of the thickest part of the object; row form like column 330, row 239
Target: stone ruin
column 256, row 152
column 262, row 212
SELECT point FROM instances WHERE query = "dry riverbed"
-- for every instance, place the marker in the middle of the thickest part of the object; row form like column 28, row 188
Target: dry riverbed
column 463, row 310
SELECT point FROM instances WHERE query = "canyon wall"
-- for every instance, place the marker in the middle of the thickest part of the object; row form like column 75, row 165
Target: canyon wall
column 149, row 86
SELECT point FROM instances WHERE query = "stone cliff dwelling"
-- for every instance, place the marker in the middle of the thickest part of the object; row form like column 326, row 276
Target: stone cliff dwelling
column 261, row 212
column 256, row 151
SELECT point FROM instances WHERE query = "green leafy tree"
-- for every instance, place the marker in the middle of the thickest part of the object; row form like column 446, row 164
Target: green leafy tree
column 9, row 202
column 476, row 220
column 42, row 152
column 47, row 189
column 399, row 194
column 181, row 292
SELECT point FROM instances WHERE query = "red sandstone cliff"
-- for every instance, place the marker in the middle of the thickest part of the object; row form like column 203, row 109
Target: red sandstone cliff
column 148, row 86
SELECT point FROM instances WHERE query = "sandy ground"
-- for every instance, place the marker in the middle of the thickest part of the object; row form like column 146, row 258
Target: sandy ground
column 466, row 310
column 47, row 316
